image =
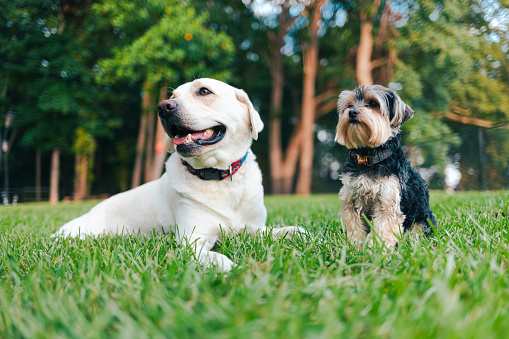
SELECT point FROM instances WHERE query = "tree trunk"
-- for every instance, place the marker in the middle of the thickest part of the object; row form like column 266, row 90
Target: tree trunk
column 364, row 52
column 142, row 133
column 480, row 149
column 282, row 168
column 83, row 176
column 276, row 100
column 307, row 122
column 310, row 62
column 383, row 56
column 77, row 173
column 149, row 145
column 290, row 164
column 55, row 173
column 145, row 137
column 160, row 143
column 38, row 176
column 61, row 25
column 80, row 180
column 364, row 65
column 90, row 160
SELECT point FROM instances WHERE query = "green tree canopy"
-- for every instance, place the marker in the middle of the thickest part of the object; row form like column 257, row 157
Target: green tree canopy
column 173, row 45
column 45, row 73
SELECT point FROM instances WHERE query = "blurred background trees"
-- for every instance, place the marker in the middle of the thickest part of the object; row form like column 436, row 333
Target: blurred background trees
column 84, row 78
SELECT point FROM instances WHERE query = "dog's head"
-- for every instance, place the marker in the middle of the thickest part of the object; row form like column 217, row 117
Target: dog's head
column 369, row 116
column 209, row 122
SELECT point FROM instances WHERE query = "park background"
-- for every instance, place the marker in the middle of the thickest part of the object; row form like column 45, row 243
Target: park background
column 84, row 77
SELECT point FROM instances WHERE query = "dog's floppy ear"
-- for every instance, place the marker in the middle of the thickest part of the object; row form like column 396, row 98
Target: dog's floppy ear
column 254, row 117
column 170, row 146
column 399, row 112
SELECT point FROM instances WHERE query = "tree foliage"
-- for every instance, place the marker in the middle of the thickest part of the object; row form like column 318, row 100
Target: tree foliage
column 70, row 66
column 174, row 44
column 451, row 62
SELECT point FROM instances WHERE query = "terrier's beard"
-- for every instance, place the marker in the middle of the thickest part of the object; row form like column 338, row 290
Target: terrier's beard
column 369, row 130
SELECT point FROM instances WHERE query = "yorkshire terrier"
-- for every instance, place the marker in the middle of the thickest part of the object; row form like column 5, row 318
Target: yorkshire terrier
column 380, row 189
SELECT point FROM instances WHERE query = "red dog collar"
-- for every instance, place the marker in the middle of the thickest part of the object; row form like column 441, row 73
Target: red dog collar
column 215, row 173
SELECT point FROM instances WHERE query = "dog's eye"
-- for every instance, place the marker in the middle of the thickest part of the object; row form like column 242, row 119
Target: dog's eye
column 204, row 91
column 350, row 106
column 372, row 104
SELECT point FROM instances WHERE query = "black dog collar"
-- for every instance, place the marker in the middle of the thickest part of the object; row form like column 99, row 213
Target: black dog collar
column 215, row 173
column 370, row 160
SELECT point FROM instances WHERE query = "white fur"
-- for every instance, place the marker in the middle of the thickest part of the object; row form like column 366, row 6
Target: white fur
column 378, row 198
column 195, row 210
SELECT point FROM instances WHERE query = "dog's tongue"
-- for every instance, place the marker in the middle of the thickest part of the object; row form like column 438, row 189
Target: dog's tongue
column 193, row 136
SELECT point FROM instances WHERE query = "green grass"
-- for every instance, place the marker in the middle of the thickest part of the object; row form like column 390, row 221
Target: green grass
column 452, row 285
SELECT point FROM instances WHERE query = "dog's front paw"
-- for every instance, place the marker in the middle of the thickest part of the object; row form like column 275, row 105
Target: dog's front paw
column 287, row 231
column 210, row 259
column 67, row 231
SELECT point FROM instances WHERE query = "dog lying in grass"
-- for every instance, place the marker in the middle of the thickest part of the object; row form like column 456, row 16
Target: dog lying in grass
column 212, row 184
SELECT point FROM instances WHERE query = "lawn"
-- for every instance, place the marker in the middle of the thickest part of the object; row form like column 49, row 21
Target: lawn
column 453, row 285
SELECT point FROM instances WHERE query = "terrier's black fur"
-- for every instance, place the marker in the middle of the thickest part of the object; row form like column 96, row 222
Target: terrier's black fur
column 414, row 194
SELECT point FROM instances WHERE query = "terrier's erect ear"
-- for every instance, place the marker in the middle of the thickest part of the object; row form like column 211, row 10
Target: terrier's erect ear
column 399, row 112
column 407, row 113
column 254, row 117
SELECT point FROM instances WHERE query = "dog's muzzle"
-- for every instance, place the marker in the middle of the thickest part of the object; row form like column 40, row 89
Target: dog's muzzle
column 166, row 108
column 186, row 139
column 353, row 115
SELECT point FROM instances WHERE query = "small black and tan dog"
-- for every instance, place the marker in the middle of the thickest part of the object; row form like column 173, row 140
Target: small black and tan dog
column 378, row 181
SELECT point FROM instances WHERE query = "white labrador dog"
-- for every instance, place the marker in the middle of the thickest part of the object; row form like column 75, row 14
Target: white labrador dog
column 212, row 185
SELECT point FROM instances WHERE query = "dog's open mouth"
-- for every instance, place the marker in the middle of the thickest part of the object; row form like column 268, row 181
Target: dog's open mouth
column 209, row 136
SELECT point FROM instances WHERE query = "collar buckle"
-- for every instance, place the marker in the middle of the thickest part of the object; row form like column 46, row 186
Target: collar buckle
column 362, row 159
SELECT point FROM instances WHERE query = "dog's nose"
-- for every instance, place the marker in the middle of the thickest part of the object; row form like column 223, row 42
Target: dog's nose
column 167, row 107
column 353, row 113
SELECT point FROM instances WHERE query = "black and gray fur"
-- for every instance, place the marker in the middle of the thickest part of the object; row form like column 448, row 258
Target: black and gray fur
column 379, row 182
